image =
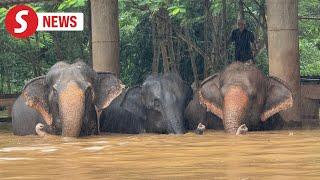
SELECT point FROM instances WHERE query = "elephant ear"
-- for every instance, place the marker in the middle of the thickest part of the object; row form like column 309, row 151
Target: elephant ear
column 107, row 88
column 279, row 98
column 210, row 96
column 36, row 96
column 132, row 102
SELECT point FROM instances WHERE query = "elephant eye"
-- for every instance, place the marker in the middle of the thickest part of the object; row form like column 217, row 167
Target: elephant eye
column 157, row 103
column 253, row 96
column 55, row 92
column 89, row 91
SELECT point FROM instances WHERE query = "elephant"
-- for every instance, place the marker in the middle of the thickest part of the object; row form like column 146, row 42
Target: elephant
column 117, row 119
column 242, row 94
column 195, row 114
column 154, row 107
column 65, row 101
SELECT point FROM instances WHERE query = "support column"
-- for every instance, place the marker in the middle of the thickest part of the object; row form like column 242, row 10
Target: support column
column 282, row 20
column 105, row 35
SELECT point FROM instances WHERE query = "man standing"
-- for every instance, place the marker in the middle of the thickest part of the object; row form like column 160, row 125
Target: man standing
column 243, row 40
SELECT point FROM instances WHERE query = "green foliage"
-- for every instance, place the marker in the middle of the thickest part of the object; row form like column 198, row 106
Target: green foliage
column 310, row 58
column 24, row 59
column 177, row 10
column 67, row 4
column 309, row 39
column 190, row 14
column 21, row 60
column 262, row 62
column 136, row 52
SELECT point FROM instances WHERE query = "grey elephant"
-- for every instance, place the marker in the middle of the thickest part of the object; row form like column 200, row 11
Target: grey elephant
column 64, row 101
column 117, row 119
column 156, row 106
column 241, row 94
column 195, row 113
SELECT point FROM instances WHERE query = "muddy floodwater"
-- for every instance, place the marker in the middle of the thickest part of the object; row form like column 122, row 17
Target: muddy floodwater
column 215, row 155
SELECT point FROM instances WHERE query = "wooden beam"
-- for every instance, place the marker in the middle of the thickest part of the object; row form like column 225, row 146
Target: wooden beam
column 7, row 102
column 308, row 18
column 7, row 96
column 311, row 91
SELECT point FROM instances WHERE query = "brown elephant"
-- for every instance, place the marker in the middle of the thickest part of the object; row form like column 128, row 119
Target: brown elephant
column 241, row 94
column 64, row 101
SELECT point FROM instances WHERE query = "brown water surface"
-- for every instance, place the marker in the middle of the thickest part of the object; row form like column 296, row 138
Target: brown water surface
column 215, row 155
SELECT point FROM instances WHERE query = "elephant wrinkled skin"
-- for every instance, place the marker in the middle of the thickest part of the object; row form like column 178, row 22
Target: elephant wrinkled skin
column 241, row 94
column 64, row 101
column 154, row 107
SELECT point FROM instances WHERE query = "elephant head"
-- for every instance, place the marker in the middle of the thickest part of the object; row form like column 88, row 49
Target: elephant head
column 241, row 94
column 67, row 96
column 162, row 102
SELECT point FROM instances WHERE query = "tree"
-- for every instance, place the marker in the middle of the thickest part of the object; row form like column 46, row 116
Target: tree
column 193, row 28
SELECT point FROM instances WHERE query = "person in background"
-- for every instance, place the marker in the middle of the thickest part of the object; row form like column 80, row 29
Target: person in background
column 244, row 41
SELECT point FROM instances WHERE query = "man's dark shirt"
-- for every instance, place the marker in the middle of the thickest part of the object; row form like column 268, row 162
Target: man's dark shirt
column 242, row 43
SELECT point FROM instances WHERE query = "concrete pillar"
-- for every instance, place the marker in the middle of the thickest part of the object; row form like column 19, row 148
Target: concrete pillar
column 105, row 35
column 282, row 20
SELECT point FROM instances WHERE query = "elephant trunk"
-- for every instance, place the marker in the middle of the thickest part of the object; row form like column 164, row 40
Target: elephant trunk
column 175, row 120
column 72, row 104
column 235, row 105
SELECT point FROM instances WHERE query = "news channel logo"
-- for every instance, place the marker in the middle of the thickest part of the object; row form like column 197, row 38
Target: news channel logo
column 22, row 21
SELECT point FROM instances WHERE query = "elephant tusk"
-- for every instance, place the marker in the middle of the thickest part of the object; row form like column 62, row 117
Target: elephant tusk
column 200, row 129
column 243, row 129
column 40, row 131
column 122, row 86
